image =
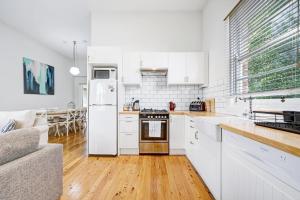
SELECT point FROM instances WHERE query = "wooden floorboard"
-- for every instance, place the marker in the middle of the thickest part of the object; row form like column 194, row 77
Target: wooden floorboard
column 126, row 177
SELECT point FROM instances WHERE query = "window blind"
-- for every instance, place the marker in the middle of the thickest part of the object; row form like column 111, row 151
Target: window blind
column 264, row 46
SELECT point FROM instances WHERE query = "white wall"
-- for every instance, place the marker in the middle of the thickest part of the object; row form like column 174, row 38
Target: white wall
column 214, row 36
column 78, row 82
column 148, row 31
column 215, row 42
column 14, row 46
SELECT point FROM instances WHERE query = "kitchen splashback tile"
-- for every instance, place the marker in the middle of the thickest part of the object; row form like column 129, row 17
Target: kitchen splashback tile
column 155, row 93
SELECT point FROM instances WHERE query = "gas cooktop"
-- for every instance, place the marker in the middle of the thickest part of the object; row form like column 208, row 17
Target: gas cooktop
column 294, row 128
column 154, row 111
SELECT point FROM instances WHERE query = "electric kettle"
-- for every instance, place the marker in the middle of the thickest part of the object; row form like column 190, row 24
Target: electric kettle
column 136, row 105
column 172, row 106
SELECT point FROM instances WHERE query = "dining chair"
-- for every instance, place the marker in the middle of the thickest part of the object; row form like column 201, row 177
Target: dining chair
column 72, row 119
column 64, row 121
column 53, row 124
column 81, row 119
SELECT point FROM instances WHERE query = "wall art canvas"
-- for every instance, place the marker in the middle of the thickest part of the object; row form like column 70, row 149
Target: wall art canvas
column 38, row 77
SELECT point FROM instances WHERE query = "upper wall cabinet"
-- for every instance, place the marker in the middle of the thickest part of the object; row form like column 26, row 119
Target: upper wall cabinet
column 197, row 68
column 188, row 68
column 177, row 68
column 154, row 60
column 104, row 55
column 131, row 69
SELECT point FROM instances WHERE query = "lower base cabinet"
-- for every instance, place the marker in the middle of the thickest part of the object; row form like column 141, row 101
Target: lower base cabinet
column 128, row 134
column 244, row 176
column 209, row 163
column 177, row 134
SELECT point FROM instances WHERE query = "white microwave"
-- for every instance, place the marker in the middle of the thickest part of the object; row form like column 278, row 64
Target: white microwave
column 104, row 73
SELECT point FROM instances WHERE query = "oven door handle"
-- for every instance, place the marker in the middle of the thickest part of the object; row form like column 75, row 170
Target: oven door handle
column 147, row 122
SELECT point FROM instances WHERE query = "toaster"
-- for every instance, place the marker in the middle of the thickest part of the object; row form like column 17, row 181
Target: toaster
column 197, row 106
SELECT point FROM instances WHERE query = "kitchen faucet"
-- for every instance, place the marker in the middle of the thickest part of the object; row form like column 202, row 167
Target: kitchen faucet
column 250, row 113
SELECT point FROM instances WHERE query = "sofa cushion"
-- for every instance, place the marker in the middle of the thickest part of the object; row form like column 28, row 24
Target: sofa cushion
column 24, row 119
column 18, row 143
column 9, row 126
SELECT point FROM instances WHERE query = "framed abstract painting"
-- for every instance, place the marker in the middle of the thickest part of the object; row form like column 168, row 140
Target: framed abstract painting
column 38, row 77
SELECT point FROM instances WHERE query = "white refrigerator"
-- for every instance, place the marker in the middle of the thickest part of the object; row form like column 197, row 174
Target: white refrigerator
column 102, row 130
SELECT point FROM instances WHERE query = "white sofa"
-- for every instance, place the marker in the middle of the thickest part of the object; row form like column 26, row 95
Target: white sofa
column 27, row 119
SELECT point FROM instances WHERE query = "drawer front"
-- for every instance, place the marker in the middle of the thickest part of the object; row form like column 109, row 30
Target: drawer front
column 129, row 126
column 129, row 140
column 280, row 164
column 124, row 117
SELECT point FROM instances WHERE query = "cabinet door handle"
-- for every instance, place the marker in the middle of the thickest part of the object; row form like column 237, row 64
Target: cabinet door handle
column 147, row 122
column 263, row 149
column 128, row 121
column 283, row 157
column 196, row 135
column 128, row 134
column 191, row 127
column 191, row 142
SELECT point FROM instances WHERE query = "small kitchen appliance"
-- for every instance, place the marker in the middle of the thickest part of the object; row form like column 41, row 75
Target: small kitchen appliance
column 197, row 106
column 136, row 105
column 154, row 131
column 172, row 106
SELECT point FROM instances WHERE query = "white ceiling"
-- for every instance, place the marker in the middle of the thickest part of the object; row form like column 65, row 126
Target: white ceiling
column 54, row 21
column 146, row 5
column 51, row 22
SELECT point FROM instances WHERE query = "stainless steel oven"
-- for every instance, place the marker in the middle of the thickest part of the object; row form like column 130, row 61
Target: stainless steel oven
column 149, row 143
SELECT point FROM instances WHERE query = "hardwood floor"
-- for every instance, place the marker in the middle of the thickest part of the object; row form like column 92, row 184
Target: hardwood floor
column 126, row 177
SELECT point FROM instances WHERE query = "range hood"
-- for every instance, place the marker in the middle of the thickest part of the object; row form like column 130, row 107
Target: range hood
column 153, row 71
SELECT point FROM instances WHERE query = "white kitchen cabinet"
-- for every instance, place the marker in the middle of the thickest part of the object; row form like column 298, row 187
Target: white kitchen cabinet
column 197, row 68
column 177, row 134
column 188, row 68
column 154, row 60
column 192, row 141
column 189, row 139
column 177, row 68
column 204, row 152
column 104, row 55
column 209, row 154
column 131, row 69
column 128, row 134
column 251, row 170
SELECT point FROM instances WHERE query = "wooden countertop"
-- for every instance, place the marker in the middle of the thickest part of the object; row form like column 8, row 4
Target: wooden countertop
column 189, row 113
column 129, row 112
column 196, row 114
column 285, row 141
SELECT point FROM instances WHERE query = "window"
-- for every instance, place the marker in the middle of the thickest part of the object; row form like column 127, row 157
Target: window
column 264, row 46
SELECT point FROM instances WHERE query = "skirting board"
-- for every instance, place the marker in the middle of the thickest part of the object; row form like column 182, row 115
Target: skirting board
column 177, row 151
column 129, row 151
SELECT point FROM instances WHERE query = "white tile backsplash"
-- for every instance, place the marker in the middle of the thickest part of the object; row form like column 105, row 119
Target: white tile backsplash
column 227, row 104
column 155, row 93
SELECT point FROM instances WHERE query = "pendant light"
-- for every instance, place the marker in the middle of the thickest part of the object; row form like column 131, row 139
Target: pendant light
column 74, row 70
